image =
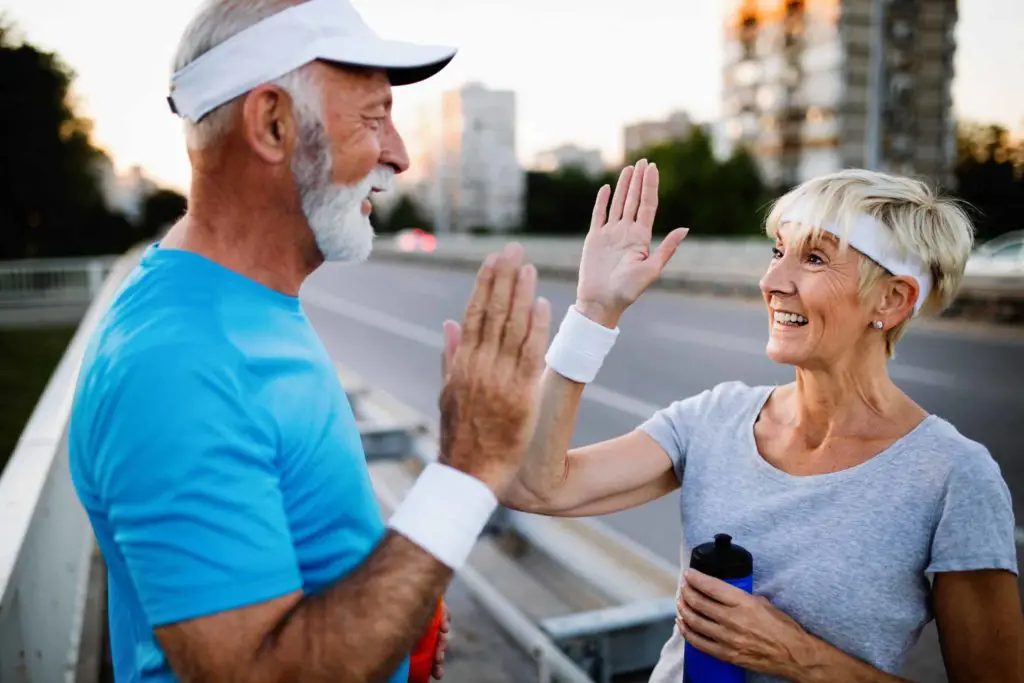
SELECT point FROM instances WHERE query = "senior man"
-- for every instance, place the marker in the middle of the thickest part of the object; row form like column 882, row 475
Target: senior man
column 211, row 443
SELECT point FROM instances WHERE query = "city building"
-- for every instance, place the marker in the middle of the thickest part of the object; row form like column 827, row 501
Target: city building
column 125, row 193
column 469, row 177
column 639, row 136
column 565, row 156
column 812, row 86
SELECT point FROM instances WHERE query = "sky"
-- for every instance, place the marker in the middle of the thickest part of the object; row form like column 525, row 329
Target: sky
column 581, row 69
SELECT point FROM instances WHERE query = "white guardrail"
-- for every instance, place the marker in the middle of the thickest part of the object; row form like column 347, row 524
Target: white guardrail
column 586, row 603
column 721, row 266
column 50, row 291
column 46, row 543
column 38, row 282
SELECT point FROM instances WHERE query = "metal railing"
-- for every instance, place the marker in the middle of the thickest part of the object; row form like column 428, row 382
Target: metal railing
column 50, row 576
column 46, row 543
column 727, row 266
column 618, row 598
column 38, row 282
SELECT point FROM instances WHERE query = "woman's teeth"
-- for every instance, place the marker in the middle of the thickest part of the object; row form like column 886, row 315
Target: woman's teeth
column 794, row 319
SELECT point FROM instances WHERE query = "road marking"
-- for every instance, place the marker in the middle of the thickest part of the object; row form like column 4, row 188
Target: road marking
column 434, row 339
column 726, row 341
column 609, row 398
column 382, row 321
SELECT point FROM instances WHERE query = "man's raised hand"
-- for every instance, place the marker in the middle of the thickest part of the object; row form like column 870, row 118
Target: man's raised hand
column 492, row 365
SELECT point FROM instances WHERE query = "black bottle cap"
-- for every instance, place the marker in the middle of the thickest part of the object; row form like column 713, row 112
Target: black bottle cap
column 722, row 559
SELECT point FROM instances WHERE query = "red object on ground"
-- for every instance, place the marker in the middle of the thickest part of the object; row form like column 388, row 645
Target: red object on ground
column 421, row 662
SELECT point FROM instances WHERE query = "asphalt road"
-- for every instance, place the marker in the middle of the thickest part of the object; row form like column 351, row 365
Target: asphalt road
column 384, row 321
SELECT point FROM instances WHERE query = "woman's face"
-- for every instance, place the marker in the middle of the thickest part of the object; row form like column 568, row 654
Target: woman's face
column 815, row 316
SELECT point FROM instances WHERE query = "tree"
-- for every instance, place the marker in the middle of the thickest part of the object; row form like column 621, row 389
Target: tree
column 560, row 203
column 46, row 181
column 716, row 198
column 406, row 213
column 159, row 211
column 51, row 193
column 990, row 178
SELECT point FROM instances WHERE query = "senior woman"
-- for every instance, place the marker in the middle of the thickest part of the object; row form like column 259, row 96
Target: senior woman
column 866, row 515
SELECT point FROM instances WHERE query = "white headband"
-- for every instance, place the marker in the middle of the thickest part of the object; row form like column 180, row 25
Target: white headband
column 331, row 30
column 876, row 241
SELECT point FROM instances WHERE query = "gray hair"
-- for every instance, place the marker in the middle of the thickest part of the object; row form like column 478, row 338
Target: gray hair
column 217, row 21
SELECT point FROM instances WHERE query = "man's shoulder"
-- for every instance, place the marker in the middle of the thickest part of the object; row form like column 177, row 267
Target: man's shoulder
column 137, row 351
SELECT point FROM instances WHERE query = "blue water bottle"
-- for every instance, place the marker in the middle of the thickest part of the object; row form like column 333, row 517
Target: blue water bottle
column 723, row 560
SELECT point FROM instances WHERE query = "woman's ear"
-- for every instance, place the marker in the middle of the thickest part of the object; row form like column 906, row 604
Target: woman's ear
column 897, row 301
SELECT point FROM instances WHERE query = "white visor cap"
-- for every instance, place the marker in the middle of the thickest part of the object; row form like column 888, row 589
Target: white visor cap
column 330, row 30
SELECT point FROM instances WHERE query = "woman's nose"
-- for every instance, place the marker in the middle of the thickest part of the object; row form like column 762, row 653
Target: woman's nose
column 777, row 279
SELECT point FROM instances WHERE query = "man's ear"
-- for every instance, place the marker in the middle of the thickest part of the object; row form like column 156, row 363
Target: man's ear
column 268, row 123
column 897, row 300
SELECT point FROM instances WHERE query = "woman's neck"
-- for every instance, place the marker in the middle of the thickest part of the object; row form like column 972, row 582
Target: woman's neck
column 845, row 401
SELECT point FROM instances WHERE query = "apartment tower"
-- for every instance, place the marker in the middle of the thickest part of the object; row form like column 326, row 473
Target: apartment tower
column 813, row 86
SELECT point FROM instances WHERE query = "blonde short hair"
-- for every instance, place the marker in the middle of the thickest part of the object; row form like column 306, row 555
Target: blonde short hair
column 934, row 228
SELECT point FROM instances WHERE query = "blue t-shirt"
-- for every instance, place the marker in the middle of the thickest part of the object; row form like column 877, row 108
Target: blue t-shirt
column 215, row 453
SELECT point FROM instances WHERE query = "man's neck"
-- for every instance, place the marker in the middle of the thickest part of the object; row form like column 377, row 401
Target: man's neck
column 253, row 238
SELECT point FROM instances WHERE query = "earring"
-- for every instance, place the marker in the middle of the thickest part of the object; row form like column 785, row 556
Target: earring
column 878, row 324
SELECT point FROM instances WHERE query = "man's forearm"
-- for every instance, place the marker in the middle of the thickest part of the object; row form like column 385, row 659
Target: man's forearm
column 361, row 627
column 829, row 664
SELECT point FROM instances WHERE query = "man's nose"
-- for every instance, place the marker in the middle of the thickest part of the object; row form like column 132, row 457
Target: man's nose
column 392, row 149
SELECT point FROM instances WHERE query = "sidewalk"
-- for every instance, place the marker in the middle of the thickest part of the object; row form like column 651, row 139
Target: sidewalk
column 478, row 650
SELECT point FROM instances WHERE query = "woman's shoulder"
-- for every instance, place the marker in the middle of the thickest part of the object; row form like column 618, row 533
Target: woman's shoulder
column 944, row 447
column 726, row 399
column 958, row 467
column 735, row 395
column 974, row 518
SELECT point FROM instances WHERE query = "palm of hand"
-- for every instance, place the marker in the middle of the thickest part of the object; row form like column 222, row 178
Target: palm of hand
column 617, row 264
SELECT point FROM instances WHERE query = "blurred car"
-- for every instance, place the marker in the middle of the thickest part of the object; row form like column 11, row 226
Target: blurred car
column 416, row 239
column 1001, row 256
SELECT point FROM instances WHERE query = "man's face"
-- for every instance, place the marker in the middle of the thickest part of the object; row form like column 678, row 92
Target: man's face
column 346, row 151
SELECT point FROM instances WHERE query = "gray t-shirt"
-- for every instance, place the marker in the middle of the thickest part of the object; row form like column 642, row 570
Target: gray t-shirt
column 847, row 554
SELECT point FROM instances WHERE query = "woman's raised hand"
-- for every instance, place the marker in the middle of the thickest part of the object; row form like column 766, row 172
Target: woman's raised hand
column 617, row 263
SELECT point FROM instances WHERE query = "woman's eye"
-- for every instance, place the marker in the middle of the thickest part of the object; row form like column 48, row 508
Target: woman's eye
column 776, row 252
column 815, row 259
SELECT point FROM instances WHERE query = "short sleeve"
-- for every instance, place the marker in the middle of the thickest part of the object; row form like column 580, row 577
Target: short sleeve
column 185, row 469
column 975, row 527
column 674, row 427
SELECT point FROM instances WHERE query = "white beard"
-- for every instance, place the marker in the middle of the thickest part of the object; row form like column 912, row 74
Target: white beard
column 334, row 212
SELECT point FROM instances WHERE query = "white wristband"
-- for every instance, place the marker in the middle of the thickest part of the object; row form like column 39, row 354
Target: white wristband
column 579, row 347
column 444, row 513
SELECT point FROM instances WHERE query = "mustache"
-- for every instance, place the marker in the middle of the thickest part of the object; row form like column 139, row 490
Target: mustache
column 381, row 178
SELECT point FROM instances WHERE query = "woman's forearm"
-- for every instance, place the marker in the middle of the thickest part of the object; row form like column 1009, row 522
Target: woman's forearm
column 545, row 466
column 828, row 664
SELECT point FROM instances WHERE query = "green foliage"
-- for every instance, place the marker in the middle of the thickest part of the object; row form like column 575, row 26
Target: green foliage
column 405, row 214
column 51, row 199
column 560, row 203
column 30, row 355
column 990, row 178
column 716, row 198
column 160, row 210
